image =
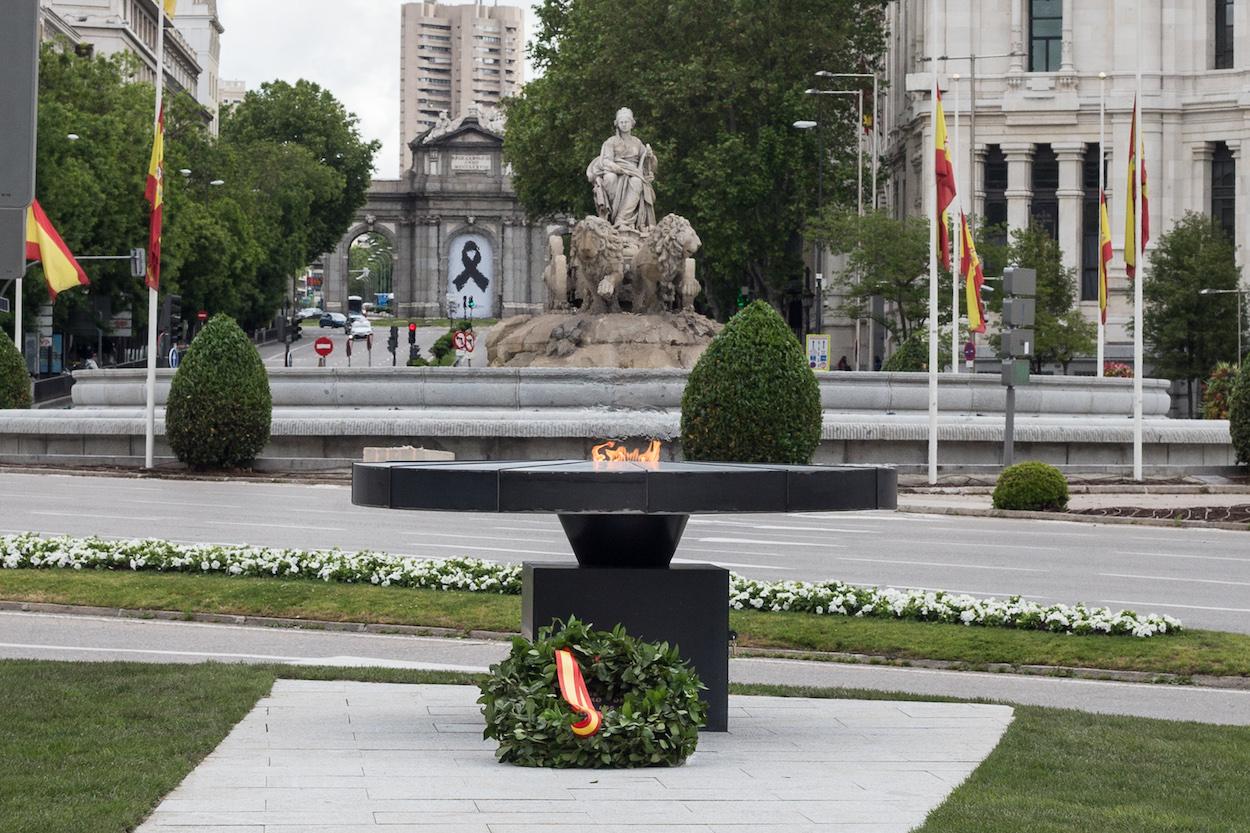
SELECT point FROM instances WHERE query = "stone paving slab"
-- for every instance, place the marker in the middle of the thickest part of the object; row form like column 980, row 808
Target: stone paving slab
column 347, row 757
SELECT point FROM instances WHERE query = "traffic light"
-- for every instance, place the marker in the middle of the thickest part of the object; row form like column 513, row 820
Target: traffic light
column 412, row 333
column 392, row 343
column 170, row 319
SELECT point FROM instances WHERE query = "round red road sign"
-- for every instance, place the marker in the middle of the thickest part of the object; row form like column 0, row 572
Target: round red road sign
column 470, row 342
column 202, row 315
column 458, row 340
column 323, row 346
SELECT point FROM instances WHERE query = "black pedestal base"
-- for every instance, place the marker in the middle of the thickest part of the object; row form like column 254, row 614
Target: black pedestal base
column 631, row 540
column 686, row 605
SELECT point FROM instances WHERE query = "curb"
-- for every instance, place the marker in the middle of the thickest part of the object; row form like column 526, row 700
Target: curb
column 1106, row 675
column 1068, row 516
column 331, row 477
column 1096, row 489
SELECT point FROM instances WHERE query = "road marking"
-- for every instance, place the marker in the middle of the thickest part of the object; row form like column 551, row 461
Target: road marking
column 147, row 652
column 939, row 564
column 1170, row 578
column 490, row 549
column 1178, row 555
column 765, row 543
column 729, row 564
column 1182, row 607
column 556, row 537
column 994, row 546
column 781, row 528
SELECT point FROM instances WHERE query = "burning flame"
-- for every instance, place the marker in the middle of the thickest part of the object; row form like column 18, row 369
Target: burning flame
column 613, row 451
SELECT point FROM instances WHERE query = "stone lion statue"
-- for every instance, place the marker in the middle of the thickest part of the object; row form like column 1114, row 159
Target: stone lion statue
column 596, row 252
column 659, row 272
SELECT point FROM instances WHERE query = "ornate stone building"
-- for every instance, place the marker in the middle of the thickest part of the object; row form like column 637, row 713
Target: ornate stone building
column 1037, row 92
column 457, row 229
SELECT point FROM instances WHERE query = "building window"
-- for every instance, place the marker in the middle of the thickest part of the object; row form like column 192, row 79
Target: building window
column 1224, row 189
column 1223, row 34
column 1089, row 225
column 1044, row 210
column 1045, row 35
column 995, row 221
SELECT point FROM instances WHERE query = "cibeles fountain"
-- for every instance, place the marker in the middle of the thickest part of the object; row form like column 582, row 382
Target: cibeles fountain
column 623, row 293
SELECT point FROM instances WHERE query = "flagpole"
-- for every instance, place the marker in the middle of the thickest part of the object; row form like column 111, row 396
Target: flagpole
column 1140, row 263
column 17, row 315
column 957, row 242
column 150, row 421
column 934, row 219
column 1102, row 189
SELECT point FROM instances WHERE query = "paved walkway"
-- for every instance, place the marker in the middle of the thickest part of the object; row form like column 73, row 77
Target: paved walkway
column 917, row 502
column 353, row 757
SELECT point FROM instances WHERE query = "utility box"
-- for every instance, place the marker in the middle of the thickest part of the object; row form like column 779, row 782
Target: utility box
column 1018, row 344
column 1019, row 312
column 1018, row 281
column 1015, row 372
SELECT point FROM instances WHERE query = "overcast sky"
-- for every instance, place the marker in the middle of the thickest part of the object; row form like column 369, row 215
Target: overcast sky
column 350, row 47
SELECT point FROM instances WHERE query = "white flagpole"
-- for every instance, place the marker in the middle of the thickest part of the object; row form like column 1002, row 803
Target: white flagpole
column 934, row 219
column 957, row 240
column 17, row 315
column 1138, row 368
column 1102, row 187
column 150, row 427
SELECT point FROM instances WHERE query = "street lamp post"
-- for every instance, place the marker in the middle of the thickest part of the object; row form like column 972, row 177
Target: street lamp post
column 876, row 148
column 1238, row 293
column 820, row 200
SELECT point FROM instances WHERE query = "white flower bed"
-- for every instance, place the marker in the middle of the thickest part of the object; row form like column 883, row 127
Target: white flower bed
column 822, row 598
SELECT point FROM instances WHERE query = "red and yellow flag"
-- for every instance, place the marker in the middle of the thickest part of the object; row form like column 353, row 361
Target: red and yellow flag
column 974, row 278
column 573, row 690
column 170, row 5
column 156, row 196
column 945, row 172
column 1104, row 253
column 46, row 246
column 1130, row 225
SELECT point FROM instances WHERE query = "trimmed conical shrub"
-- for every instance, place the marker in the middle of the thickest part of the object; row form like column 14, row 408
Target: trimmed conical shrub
column 219, row 407
column 1239, row 414
column 752, row 398
column 14, row 379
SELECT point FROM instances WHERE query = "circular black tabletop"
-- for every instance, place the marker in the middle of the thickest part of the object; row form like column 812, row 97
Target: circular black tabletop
column 571, row 487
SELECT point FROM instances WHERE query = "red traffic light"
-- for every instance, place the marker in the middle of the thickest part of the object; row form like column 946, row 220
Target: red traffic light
column 412, row 327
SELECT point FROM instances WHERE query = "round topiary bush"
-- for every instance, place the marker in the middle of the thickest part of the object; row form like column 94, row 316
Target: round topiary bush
column 751, row 397
column 648, row 696
column 1031, row 486
column 1239, row 414
column 219, row 408
column 14, row 378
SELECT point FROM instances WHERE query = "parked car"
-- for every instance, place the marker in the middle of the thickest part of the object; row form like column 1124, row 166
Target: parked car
column 361, row 328
column 333, row 320
column 307, row 312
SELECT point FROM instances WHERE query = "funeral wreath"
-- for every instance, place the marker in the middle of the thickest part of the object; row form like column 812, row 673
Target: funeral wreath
column 576, row 697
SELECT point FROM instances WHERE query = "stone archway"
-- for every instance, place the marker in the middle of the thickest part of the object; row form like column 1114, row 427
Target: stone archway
column 336, row 264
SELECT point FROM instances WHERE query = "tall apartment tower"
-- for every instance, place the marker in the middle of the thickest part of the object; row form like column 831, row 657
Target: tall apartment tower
column 453, row 58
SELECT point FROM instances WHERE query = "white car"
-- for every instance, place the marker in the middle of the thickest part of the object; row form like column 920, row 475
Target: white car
column 361, row 328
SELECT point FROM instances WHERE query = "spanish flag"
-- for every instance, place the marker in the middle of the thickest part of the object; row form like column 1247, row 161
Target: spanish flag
column 945, row 172
column 170, row 5
column 46, row 246
column 1104, row 253
column 974, row 278
column 156, row 196
column 1130, row 224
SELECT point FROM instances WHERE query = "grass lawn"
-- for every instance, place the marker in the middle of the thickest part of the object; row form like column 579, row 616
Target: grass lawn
column 1191, row 652
column 93, row 747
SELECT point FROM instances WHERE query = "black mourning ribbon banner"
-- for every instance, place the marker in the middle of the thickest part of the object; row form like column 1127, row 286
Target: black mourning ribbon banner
column 471, row 257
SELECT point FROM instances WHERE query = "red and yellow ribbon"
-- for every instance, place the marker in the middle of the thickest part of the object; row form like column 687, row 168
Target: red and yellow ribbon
column 573, row 690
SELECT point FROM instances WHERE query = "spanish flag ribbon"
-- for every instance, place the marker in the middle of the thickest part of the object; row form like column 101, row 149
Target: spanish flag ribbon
column 1104, row 254
column 1136, row 155
column 573, row 690
column 46, row 246
column 155, row 194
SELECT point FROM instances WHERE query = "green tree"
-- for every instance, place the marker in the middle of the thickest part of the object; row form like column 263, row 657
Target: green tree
column 1060, row 331
column 305, row 115
column 1187, row 334
column 716, row 86
column 887, row 258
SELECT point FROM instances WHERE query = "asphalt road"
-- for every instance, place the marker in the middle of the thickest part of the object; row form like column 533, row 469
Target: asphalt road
column 1200, row 576
column 303, row 354
column 92, row 639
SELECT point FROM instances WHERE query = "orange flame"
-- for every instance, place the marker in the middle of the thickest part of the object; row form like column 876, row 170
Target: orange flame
column 613, row 451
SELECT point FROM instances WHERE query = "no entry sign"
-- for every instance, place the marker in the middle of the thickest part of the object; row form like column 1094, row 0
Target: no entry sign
column 323, row 346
